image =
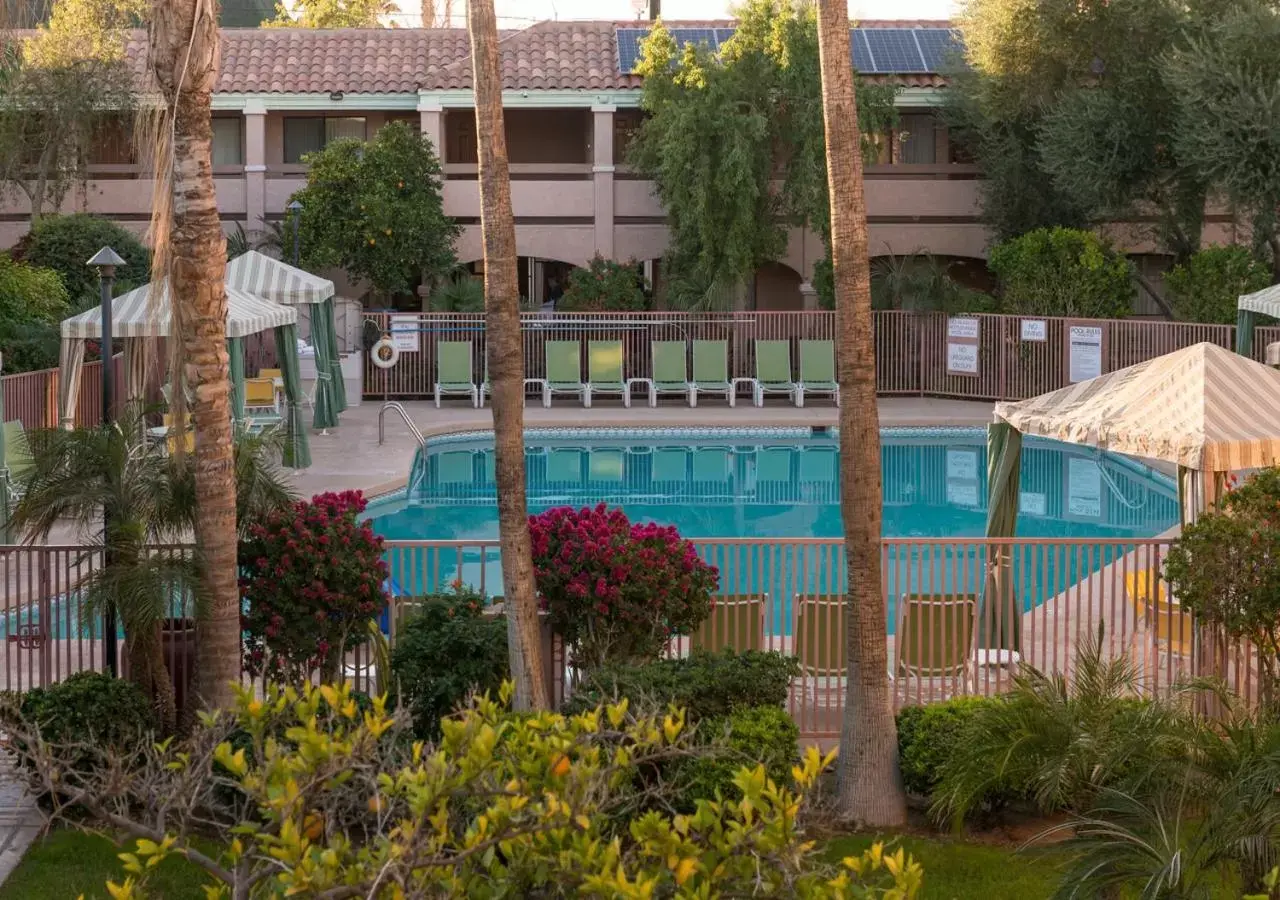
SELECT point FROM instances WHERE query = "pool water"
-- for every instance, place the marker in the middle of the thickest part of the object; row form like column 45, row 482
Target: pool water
column 765, row 484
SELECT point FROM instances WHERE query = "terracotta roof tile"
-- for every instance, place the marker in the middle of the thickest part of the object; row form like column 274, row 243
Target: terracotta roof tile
column 546, row 56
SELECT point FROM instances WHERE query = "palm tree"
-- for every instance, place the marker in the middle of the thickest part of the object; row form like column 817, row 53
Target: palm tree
column 190, row 252
column 88, row 475
column 869, row 783
column 506, row 360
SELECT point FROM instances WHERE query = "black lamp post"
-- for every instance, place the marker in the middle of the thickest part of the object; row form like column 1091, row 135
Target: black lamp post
column 105, row 261
column 295, row 210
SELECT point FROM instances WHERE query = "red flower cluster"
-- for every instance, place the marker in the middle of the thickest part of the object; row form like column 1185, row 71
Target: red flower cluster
column 617, row 591
column 311, row 580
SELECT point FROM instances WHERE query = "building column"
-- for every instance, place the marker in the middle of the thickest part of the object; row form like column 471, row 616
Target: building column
column 602, row 176
column 255, row 166
column 431, row 117
column 809, row 294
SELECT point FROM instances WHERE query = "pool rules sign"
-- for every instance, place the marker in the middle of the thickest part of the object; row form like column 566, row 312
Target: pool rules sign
column 963, row 337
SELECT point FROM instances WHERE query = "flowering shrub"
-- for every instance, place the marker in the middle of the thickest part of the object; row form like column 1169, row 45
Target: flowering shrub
column 616, row 591
column 311, row 579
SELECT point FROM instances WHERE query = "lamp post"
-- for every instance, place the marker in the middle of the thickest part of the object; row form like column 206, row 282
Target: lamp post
column 295, row 210
column 105, row 261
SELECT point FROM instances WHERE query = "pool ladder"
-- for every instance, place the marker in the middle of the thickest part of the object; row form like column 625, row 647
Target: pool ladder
column 382, row 423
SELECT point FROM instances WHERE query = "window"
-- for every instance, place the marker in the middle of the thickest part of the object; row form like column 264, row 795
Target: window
column 112, row 143
column 917, row 141
column 308, row 134
column 228, row 141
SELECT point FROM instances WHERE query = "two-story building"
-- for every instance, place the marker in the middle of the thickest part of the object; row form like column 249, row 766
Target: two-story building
column 571, row 106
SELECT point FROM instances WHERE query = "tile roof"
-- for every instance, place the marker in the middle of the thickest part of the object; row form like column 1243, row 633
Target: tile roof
column 545, row 56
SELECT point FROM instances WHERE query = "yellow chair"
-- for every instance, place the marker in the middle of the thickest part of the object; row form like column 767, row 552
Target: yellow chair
column 1173, row 627
column 270, row 373
column 188, row 434
column 260, row 393
column 736, row 620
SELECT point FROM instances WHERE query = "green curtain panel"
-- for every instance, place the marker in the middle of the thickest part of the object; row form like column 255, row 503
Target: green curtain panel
column 329, row 314
column 235, row 352
column 297, row 449
column 999, row 613
column 4, row 475
column 326, row 412
column 1245, row 320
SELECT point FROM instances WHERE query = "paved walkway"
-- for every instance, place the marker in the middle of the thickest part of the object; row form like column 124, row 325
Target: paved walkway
column 20, row 819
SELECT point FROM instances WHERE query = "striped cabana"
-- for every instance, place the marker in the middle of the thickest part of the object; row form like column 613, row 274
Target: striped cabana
column 1265, row 302
column 1204, row 409
column 288, row 285
column 137, row 316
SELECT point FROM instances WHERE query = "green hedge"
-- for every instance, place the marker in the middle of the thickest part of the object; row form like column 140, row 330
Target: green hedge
column 928, row 735
column 66, row 243
column 706, row 685
column 764, row 735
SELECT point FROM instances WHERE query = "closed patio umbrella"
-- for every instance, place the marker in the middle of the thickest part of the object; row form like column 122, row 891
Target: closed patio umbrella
column 999, row 616
column 4, row 470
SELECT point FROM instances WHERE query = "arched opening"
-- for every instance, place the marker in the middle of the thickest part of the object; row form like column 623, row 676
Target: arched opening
column 776, row 287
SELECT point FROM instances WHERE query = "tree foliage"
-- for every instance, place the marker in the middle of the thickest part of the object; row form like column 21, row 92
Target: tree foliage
column 1063, row 272
column 1207, row 285
column 734, row 145
column 32, row 302
column 320, row 799
column 57, row 87
column 65, row 243
column 604, row 286
column 375, row 209
column 331, row 14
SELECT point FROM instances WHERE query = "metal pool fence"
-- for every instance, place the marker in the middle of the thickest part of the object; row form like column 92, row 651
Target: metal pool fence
column 942, row 639
column 1017, row 356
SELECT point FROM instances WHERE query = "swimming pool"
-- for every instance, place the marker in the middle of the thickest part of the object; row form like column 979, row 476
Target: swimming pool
column 781, row 483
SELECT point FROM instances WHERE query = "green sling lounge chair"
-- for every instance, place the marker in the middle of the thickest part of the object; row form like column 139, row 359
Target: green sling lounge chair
column 670, row 371
column 604, row 372
column 18, row 458
column 710, row 371
column 564, row 372
column 453, row 371
column 817, row 371
column 773, row 371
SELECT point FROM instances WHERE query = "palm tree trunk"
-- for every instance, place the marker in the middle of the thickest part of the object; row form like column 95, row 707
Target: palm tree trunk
column 506, row 361
column 869, row 784
column 147, row 669
column 184, row 50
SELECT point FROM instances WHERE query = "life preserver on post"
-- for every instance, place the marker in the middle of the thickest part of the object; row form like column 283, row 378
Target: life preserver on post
column 385, row 354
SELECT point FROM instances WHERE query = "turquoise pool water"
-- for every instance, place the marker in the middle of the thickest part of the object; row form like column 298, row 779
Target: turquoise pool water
column 764, row 484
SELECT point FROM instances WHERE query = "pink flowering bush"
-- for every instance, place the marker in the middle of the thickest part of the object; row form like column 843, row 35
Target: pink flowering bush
column 616, row 591
column 311, row 581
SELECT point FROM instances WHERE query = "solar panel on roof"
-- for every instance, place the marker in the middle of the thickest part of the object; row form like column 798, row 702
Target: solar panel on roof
column 723, row 35
column 706, row 36
column 894, row 50
column 940, row 47
column 862, row 59
column 629, row 48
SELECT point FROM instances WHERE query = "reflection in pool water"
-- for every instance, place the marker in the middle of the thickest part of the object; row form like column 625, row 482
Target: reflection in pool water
column 785, row 484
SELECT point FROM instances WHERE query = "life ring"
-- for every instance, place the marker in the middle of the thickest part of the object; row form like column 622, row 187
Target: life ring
column 385, row 354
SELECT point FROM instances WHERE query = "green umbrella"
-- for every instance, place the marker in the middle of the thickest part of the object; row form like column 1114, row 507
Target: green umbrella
column 326, row 410
column 999, row 616
column 235, row 352
column 297, row 450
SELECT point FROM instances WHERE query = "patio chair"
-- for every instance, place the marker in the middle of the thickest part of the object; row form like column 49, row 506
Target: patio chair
column 260, row 394
column 817, row 371
column 564, row 372
column 486, row 389
column 670, row 371
column 604, row 372
column 736, row 621
column 453, row 372
column 711, row 371
column 773, row 371
column 934, row 640
column 1171, row 627
column 171, row 436
column 818, row 631
column 18, row 458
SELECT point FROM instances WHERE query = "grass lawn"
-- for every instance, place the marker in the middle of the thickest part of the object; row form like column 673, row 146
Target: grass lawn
column 68, row 864
column 954, row 870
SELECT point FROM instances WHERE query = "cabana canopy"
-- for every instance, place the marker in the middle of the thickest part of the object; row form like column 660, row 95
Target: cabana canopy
column 137, row 316
column 282, row 283
column 1203, row 408
column 1266, row 302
